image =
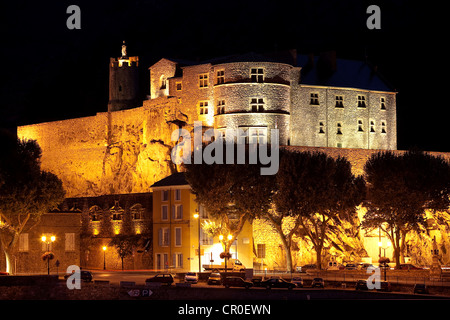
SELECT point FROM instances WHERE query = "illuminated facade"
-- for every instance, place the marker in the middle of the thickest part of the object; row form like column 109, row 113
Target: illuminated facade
column 176, row 221
column 340, row 107
column 348, row 108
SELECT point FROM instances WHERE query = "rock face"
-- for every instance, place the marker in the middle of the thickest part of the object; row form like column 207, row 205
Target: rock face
column 112, row 152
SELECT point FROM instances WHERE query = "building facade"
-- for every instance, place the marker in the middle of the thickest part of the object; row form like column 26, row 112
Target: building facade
column 178, row 231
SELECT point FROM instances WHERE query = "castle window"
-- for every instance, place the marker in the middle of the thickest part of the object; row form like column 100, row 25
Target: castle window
column 95, row 213
column 383, row 103
column 257, row 74
column 220, row 76
column 314, row 99
column 360, row 126
column 203, row 107
column 257, row 135
column 137, row 212
column 361, row 101
column 339, row 128
column 178, row 86
column 321, row 127
column 162, row 82
column 257, row 104
column 383, row 127
column 220, row 107
column 116, row 211
column 203, row 80
column 372, row 126
column 339, row 101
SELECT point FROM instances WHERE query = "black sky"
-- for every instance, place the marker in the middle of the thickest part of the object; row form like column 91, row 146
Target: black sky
column 52, row 73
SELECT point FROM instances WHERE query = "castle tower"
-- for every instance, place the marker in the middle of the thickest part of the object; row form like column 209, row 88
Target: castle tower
column 123, row 82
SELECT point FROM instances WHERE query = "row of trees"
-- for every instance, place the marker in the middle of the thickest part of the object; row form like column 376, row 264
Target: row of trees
column 320, row 195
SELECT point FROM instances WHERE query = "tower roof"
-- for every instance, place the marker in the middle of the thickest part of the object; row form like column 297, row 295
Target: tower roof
column 176, row 179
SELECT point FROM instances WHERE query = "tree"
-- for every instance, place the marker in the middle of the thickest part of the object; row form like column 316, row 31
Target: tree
column 26, row 191
column 125, row 244
column 401, row 187
column 319, row 192
column 231, row 193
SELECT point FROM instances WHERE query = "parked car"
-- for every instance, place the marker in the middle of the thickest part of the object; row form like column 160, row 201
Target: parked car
column 420, row 288
column 317, row 282
column 306, row 267
column 191, row 277
column 408, row 266
column 215, row 278
column 298, row 281
column 385, row 286
column 163, row 278
column 361, row 285
column 256, row 280
column 350, row 266
column 236, row 282
column 277, row 283
column 4, row 273
column 84, row 274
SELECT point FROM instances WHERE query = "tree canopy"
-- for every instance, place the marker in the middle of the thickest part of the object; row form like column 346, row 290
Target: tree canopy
column 26, row 191
column 401, row 188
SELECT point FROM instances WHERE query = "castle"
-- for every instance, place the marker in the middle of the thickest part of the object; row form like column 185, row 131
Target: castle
column 341, row 107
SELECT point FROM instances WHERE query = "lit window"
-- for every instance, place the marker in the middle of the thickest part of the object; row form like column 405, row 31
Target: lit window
column 220, row 106
column 338, row 128
column 203, row 80
column 203, row 107
column 339, row 101
column 257, row 74
column 360, row 126
column 361, row 101
column 257, row 135
column 314, row 99
column 257, row 104
column 383, row 103
column 220, row 76
column 321, row 127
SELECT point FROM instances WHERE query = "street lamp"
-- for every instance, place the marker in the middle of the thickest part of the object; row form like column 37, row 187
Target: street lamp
column 380, row 245
column 104, row 257
column 48, row 241
column 197, row 216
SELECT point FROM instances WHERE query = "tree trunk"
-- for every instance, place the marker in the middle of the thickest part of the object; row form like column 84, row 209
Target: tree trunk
column 318, row 256
column 9, row 265
column 286, row 242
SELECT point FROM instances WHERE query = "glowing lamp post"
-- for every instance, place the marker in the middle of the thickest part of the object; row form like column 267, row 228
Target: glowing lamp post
column 104, row 257
column 385, row 261
column 197, row 216
column 48, row 255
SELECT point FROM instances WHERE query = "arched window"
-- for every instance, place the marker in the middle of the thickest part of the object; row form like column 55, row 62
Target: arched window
column 95, row 213
column 137, row 211
column 162, row 82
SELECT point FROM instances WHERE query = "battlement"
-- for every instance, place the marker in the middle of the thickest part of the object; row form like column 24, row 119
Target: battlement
column 124, row 62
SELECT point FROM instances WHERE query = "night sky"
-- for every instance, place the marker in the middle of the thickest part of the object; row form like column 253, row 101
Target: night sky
column 51, row 73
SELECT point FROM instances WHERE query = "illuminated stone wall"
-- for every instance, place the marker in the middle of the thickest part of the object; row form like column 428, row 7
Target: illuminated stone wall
column 110, row 153
column 317, row 124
